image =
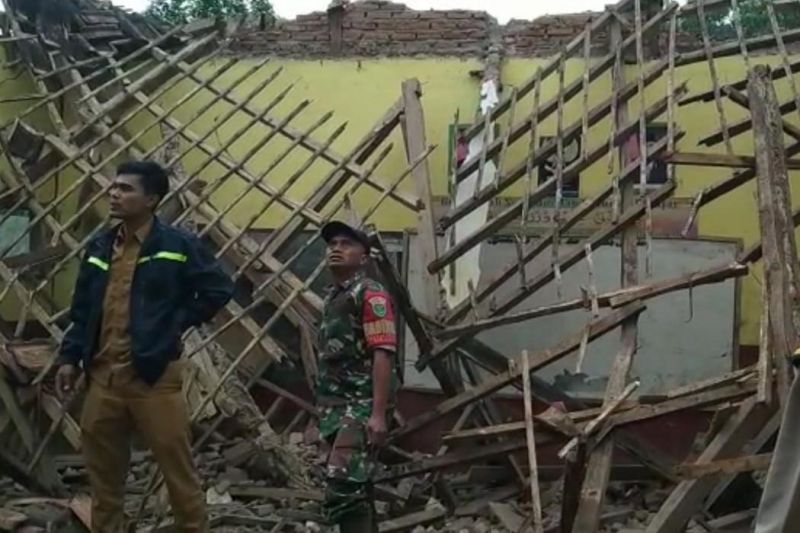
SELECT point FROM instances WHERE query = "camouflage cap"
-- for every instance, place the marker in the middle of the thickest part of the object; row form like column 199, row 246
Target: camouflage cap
column 336, row 227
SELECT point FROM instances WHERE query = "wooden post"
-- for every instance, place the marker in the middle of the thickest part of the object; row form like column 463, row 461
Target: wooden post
column 781, row 272
column 536, row 503
column 413, row 125
column 688, row 496
column 598, row 470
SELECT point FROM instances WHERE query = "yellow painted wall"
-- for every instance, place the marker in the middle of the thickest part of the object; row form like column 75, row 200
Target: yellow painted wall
column 359, row 92
column 16, row 84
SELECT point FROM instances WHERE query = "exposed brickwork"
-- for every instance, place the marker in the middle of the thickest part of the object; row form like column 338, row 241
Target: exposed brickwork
column 376, row 28
column 548, row 35
column 382, row 28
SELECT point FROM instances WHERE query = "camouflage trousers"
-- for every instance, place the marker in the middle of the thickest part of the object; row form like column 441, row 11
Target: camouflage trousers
column 349, row 465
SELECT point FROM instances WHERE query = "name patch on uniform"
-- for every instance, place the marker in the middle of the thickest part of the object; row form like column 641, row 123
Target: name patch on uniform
column 379, row 328
column 378, row 305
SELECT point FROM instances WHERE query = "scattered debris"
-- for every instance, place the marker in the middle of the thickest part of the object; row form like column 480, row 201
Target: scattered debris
column 103, row 76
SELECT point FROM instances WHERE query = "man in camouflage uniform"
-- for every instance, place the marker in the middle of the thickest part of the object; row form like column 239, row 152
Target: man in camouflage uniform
column 356, row 382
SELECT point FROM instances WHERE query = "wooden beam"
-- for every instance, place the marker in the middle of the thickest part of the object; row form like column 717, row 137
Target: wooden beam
column 566, row 261
column 781, row 271
column 702, row 159
column 626, row 414
column 595, row 423
column 598, row 468
column 731, row 48
column 628, row 174
column 743, row 125
column 597, row 114
column 330, row 156
column 449, row 460
column 516, row 440
column 594, row 329
column 545, row 189
column 536, row 502
column 413, row 125
column 617, row 298
column 688, row 496
column 775, row 74
column 725, row 466
column 323, row 194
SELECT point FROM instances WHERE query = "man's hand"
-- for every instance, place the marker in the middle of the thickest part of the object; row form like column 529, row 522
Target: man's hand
column 377, row 430
column 65, row 380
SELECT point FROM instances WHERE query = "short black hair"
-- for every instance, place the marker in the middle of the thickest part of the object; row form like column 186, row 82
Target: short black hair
column 152, row 176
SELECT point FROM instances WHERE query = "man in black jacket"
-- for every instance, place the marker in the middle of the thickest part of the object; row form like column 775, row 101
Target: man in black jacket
column 141, row 285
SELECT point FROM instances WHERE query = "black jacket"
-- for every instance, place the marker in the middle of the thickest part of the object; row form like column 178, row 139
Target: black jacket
column 177, row 284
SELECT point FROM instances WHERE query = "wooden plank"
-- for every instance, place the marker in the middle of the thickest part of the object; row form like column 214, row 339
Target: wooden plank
column 81, row 507
column 45, row 476
column 413, row 125
column 701, row 15
column 740, row 376
column 308, row 356
column 716, row 160
column 516, row 440
column 536, row 502
column 55, row 410
column 574, row 473
column 516, row 209
column 775, row 74
column 566, row 261
column 726, row 466
column 615, row 299
column 449, row 460
column 732, row 48
column 595, row 329
column 738, row 521
column 688, row 496
column 322, row 195
column 554, row 418
column 330, row 156
column 595, row 423
column 628, row 174
column 782, row 273
column 744, row 125
column 597, row 114
column 599, row 67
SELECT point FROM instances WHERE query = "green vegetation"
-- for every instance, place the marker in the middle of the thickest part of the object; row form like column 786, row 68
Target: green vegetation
column 753, row 17
column 182, row 11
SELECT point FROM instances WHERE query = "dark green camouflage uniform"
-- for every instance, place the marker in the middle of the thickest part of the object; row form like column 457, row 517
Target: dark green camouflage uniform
column 357, row 318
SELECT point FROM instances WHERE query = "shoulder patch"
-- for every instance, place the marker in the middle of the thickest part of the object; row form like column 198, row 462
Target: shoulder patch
column 378, row 304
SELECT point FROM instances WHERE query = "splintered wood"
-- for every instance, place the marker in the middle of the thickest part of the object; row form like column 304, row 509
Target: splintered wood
column 242, row 146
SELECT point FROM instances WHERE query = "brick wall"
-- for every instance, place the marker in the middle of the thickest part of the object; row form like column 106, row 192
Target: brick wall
column 549, row 34
column 375, row 28
column 382, row 28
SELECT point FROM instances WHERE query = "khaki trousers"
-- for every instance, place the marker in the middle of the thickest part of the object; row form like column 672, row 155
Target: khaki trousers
column 779, row 510
column 111, row 412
